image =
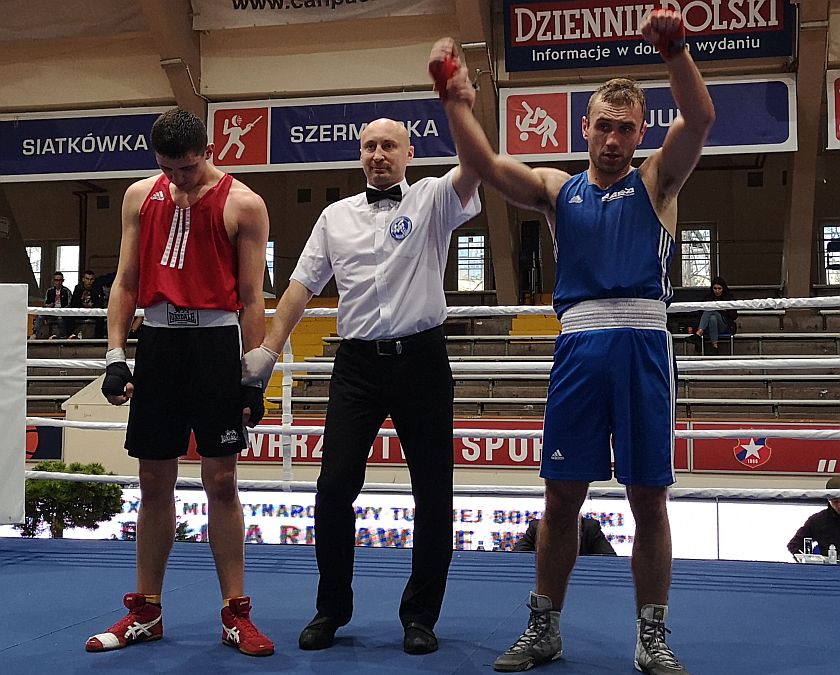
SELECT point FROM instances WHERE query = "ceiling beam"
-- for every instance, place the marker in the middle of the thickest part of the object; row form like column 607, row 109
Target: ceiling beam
column 179, row 47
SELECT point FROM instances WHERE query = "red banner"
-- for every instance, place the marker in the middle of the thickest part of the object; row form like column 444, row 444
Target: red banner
column 765, row 454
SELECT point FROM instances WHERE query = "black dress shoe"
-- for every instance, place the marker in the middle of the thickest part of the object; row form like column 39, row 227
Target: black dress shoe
column 319, row 633
column 419, row 639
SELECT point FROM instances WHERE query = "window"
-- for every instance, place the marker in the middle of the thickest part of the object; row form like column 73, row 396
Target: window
column 696, row 260
column 830, row 258
column 34, row 254
column 269, row 261
column 471, row 262
column 67, row 262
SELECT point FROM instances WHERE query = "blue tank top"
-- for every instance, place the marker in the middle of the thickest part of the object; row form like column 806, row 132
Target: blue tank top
column 609, row 243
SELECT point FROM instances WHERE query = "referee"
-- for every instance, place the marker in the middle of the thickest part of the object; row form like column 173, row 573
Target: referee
column 387, row 248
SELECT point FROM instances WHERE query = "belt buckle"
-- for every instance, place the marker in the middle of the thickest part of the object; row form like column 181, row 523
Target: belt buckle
column 397, row 347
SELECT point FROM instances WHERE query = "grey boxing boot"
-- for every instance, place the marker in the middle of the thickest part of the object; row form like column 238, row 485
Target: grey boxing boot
column 539, row 643
column 653, row 656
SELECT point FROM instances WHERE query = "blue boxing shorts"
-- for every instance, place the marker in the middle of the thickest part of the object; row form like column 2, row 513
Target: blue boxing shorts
column 612, row 386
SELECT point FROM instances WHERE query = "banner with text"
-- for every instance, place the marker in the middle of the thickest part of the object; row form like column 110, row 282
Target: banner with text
column 701, row 529
column 752, row 115
column 832, row 84
column 748, row 454
column 77, row 144
column 222, row 14
column 558, row 34
column 321, row 133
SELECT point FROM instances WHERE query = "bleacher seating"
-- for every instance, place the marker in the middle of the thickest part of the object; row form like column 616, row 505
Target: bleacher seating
column 812, row 394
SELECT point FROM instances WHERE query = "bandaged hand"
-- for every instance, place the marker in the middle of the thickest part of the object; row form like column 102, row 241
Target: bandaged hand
column 252, row 399
column 117, row 376
column 665, row 30
column 257, row 367
column 448, row 73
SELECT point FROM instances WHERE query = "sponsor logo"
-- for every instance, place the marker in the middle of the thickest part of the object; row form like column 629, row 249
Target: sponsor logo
column 577, row 199
column 754, row 453
column 157, row 196
column 619, row 194
column 178, row 316
column 229, row 436
column 557, row 455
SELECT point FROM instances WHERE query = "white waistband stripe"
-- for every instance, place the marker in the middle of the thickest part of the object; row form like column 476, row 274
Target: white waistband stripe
column 614, row 313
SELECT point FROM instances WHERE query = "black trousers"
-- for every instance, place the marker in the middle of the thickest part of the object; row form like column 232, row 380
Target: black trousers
column 411, row 380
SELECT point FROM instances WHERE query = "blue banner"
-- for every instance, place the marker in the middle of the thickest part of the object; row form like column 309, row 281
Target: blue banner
column 322, row 133
column 77, row 145
column 560, row 34
column 752, row 115
column 748, row 115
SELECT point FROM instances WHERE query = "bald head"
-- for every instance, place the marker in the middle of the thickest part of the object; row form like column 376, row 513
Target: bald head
column 385, row 152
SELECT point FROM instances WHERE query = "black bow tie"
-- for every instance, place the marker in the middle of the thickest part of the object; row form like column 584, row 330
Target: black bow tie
column 394, row 193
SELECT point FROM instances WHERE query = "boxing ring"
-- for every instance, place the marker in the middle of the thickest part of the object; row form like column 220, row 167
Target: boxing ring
column 727, row 616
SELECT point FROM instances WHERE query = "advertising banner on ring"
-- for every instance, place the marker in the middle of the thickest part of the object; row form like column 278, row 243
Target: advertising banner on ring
column 77, row 144
column 322, row 133
column 559, row 34
column 222, row 14
column 832, row 85
column 752, row 115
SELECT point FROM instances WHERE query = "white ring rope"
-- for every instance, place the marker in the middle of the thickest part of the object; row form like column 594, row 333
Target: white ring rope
column 524, row 490
column 684, row 364
column 300, row 430
column 493, row 310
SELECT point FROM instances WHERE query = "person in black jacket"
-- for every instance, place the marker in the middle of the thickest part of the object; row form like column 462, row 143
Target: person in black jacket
column 592, row 539
column 88, row 295
column 823, row 528
column 715, row 321
column 58, row 295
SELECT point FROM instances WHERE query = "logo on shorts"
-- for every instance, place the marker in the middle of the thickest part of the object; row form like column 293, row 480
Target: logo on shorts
column 229, row 436
column 753, row 454
column 557, row 455
column 178, row 316
column 401, row 228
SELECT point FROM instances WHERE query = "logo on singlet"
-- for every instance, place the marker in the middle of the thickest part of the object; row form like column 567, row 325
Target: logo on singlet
column 619, row 194
column 178, row 316
column 401, row 228
column 157, row 196
column 557, row 455
column 577, row 199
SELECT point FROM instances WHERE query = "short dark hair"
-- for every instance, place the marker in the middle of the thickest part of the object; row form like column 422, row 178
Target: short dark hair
column 58, row 274
column 89, row 273
column 619, row 91
column 177, row 133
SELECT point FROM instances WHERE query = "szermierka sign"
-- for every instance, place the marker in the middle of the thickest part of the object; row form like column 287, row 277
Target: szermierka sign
column 577, row 34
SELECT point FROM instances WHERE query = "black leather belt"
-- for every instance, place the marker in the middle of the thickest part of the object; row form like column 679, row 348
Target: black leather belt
column 395, row 346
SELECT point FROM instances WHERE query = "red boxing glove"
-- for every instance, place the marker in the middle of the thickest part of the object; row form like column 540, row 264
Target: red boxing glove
column 672, row 42
column 441, row 71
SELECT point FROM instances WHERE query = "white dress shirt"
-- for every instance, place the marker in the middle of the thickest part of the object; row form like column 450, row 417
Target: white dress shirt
column 388, row 258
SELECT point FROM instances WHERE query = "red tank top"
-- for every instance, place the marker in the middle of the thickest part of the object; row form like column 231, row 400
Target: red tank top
column 186, row 257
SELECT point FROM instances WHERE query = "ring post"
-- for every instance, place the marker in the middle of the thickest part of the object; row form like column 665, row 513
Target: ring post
column 13, row 299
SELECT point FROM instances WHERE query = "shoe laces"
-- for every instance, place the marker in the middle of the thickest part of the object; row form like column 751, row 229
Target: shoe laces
column 246, row 627
column 538, row 624
column 652, row 634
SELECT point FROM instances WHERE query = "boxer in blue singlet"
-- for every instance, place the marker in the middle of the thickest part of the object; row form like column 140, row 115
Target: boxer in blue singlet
column 613, row 376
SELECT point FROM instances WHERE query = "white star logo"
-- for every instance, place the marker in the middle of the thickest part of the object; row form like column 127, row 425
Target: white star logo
column 752, row 449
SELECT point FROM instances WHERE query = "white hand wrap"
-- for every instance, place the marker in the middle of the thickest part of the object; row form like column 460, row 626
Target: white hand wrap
column 257, row 366
column 114, row 355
